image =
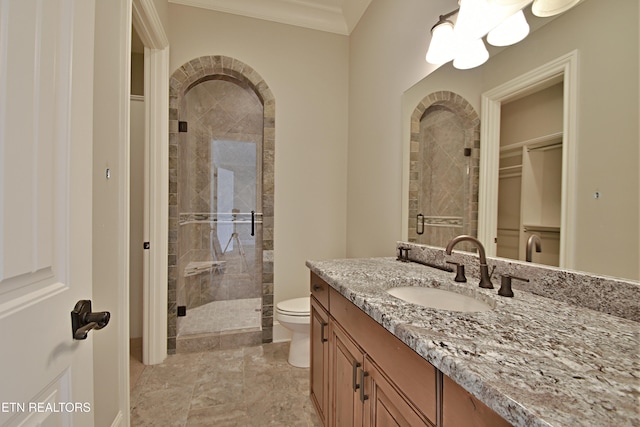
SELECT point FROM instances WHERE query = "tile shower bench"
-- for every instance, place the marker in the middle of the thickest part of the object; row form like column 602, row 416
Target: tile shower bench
column 533, row 360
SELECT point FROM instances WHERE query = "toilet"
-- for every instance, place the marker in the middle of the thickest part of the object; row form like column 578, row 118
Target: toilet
column 294, row 314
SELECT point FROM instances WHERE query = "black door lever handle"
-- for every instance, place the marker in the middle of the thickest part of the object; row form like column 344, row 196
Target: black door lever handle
column 83, row 319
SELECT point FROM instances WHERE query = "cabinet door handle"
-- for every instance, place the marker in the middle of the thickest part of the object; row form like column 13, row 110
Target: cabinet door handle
column 322, row 337
column 356, row 365
column 317, row 288
column 363, row 396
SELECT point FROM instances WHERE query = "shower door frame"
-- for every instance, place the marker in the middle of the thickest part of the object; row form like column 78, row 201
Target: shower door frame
column 185, row 77
column 470, row 120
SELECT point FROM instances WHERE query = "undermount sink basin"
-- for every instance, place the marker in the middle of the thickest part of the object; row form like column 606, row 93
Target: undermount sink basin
column 439, row 298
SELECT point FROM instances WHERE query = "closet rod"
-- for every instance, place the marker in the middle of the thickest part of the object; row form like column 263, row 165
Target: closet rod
column 546, row 147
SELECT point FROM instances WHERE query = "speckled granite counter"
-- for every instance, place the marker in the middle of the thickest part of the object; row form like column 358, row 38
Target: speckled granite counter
column 533, row 360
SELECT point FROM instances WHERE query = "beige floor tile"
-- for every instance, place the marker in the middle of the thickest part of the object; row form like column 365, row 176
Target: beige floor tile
column 245, row 387
column 164, row 407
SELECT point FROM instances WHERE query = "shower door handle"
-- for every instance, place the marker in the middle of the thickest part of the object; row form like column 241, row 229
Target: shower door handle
column 420, row 221
column 253, row 223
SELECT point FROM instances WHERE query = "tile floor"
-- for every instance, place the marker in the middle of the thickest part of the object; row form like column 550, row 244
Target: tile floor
column 250, row 386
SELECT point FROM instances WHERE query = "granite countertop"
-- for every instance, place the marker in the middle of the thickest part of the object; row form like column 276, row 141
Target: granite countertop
column 533, row 360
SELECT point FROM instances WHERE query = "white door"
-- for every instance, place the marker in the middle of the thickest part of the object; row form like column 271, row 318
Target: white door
column 46, row 113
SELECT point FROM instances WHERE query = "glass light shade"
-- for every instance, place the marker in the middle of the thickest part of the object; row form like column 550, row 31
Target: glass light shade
column 511, row 31
column 471, row 55
column 442, row 46
column 518, row 3
column 544, row 8
column 472, row 19
column 477, row 17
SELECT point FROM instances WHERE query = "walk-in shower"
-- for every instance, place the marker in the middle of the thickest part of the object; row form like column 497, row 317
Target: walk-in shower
column 443, row 188
column 222, row 286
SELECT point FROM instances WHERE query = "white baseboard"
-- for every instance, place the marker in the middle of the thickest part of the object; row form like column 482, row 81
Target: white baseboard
column 280, row 333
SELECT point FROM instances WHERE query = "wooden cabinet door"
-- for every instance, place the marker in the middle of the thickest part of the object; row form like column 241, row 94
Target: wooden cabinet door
column 461, row 408
column 319, row 359
column 346, row 362
column 385, row 405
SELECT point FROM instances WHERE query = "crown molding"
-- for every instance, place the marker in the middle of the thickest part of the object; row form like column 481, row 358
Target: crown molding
column 308, row 14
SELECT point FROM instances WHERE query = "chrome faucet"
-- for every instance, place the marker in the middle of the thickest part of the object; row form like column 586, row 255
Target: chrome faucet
column 485, row 278
column 533, row 239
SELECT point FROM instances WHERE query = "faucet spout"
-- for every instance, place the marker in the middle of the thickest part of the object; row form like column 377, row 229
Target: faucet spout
column 485, row 277
column 533, row 239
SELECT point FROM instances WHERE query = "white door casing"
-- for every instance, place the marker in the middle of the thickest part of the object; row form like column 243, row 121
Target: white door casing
column 565, row 67
column 46, row 116
column 156, row 217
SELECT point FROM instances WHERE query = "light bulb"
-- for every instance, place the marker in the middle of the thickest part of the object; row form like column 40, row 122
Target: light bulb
column 511, row 31
column 442, row 46
column 471, row 54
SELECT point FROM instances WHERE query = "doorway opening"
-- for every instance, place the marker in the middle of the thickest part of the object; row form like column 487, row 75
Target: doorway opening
column 530, row 181
column 562, row 71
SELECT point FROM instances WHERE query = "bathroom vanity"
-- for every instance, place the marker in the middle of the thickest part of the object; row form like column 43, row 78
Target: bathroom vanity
column 401, row 388
column 528, row 361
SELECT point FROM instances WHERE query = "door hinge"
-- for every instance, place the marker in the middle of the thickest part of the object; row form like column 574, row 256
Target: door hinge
column 182, row 126
column 146, row 245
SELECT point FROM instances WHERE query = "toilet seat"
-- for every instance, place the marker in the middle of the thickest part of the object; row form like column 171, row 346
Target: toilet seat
column 297, row 307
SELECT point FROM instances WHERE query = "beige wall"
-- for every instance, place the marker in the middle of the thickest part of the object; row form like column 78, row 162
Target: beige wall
column 137, row 73
column 162, row 8
column 307, row 71
column 607, row 126
column 387, row 50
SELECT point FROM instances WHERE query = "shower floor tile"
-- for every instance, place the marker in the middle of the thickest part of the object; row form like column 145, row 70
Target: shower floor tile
column 221, row 316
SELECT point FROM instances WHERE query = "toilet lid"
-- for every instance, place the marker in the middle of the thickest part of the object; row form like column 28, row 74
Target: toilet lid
column 295, row 307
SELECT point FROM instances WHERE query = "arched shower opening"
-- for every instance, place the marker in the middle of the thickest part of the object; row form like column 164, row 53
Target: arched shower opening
column 444, row 169
column 221, row 188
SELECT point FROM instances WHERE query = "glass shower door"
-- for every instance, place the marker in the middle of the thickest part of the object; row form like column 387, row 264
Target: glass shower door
column 220, row 233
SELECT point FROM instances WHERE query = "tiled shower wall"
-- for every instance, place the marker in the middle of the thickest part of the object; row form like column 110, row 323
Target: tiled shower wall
column 444, row 181
column 230, row 75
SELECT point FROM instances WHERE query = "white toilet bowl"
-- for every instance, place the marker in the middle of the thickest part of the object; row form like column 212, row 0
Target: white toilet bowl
column 294, row 314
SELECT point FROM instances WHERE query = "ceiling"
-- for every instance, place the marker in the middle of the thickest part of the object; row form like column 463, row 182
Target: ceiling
column 334, row 16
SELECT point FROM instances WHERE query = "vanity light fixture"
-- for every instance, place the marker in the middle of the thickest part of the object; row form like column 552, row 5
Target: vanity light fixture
column 511, row 31
column 501, row 21
column 442, row 40
column 544, row 8
column 471, row 54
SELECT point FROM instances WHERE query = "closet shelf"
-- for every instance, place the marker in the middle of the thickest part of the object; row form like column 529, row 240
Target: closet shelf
column 540, row 227
column 538, row 142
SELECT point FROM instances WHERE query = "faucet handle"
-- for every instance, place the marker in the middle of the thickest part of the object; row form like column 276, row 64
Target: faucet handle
column 460, row 277
column 505, row 285
column 404, row 254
